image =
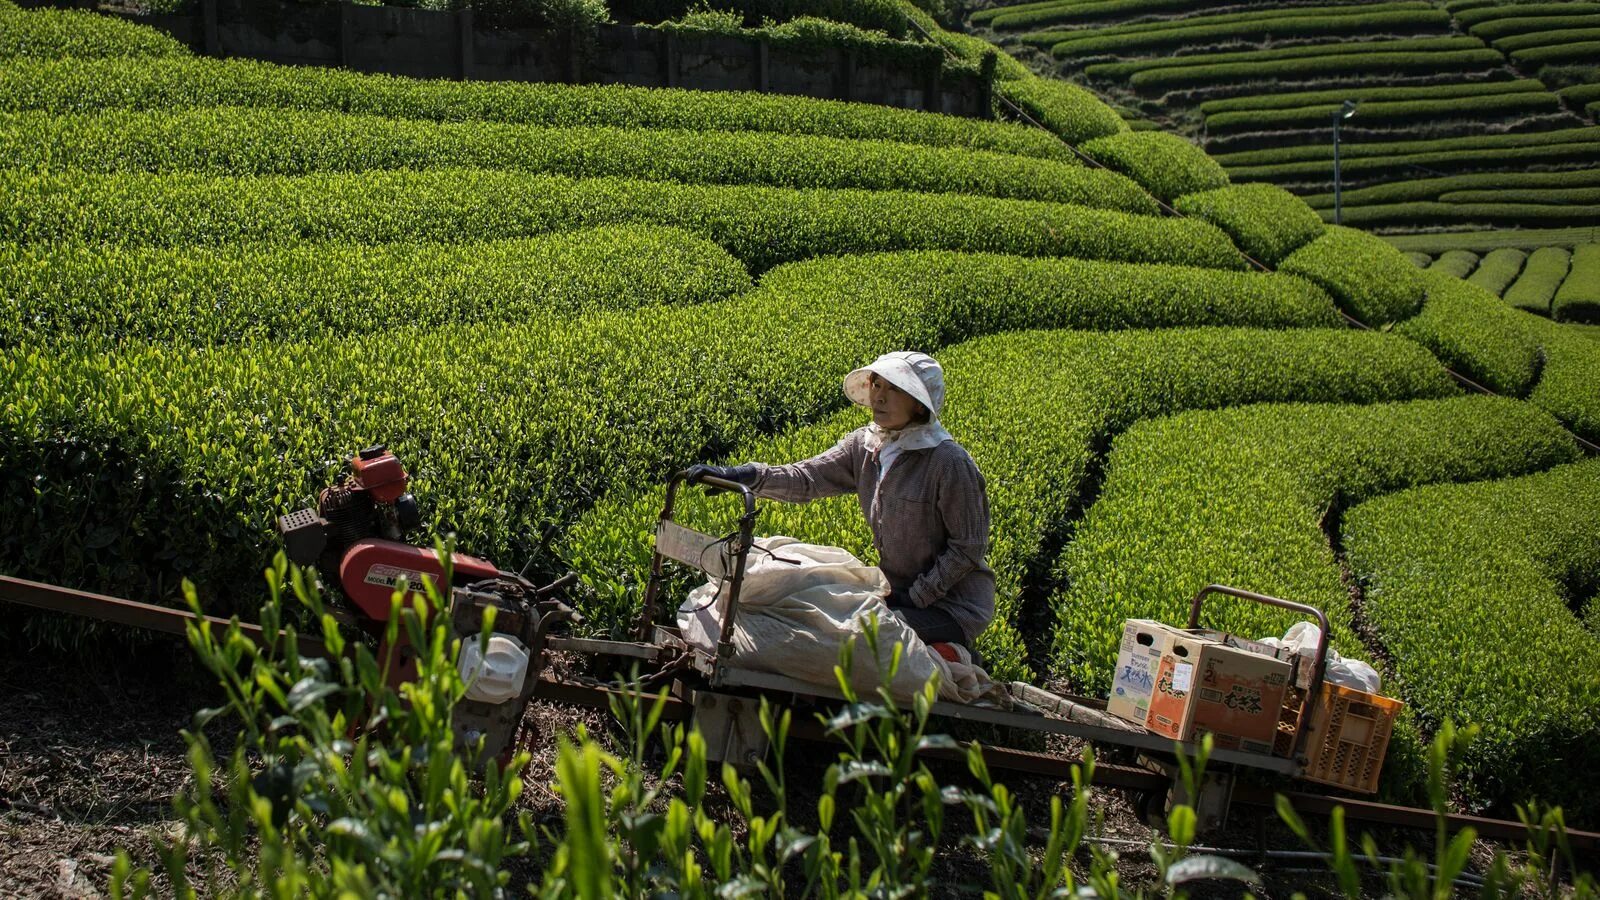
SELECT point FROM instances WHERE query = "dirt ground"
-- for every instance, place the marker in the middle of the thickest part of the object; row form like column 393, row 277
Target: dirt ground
column 91, row 757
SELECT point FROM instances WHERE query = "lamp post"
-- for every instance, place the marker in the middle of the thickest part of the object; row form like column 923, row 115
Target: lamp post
column 1345, row 111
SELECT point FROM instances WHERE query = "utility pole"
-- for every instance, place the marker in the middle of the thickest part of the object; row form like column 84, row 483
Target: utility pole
column 1345, row 111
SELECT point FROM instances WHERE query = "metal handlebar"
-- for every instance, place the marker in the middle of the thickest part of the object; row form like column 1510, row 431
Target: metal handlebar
column 747, row 526
column 1318, row 661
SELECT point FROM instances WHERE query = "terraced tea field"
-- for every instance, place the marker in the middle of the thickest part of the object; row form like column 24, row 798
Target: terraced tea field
column 219, row 277
column 1468, row 113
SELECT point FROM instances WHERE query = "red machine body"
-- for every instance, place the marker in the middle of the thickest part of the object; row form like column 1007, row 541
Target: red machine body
column 372, row 569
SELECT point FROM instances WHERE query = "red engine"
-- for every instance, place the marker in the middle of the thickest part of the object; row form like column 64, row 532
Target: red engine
column 354, row 536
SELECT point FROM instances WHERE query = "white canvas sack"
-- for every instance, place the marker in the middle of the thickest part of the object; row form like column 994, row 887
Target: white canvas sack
column 798, row 605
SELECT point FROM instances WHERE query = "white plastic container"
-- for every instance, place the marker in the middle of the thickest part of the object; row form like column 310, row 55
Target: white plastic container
column 495, row 676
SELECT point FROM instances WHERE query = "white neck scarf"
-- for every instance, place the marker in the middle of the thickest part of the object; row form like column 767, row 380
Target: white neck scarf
column 890, row 444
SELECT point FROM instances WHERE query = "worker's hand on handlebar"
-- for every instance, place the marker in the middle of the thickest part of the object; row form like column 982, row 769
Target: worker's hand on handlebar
column 745, row 474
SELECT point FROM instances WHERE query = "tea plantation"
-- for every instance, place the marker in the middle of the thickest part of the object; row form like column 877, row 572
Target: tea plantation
column 219, row 277
column 1468, row 113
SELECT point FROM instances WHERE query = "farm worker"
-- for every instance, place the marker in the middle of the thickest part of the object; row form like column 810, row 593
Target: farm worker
column 923, row 497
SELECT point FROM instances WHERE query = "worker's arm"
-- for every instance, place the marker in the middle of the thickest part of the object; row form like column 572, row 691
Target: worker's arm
column 964, row 507
column 828, row 474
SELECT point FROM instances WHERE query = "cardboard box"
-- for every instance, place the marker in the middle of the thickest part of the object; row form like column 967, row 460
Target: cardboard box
column 1144, row 642
column 1205, row 686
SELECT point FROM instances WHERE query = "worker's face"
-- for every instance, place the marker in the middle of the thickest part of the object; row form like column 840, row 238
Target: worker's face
column 892, row 408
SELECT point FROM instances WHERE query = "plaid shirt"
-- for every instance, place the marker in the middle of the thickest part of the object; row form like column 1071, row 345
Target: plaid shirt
column 929, row 519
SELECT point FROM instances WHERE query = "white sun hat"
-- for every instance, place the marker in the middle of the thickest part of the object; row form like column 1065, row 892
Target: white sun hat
column 915, row 373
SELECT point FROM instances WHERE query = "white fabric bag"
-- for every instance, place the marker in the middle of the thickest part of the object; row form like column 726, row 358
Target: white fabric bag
column 1302, row 638
column 798, row 605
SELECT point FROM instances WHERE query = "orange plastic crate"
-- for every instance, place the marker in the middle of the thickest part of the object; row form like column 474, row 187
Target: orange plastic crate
column 1348, row 737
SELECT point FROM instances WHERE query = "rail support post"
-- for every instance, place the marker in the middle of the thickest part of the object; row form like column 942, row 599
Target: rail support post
column 731, row 726
column 1214, row 795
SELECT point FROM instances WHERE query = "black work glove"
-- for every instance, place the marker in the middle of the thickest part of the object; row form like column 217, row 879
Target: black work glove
column 745, row 474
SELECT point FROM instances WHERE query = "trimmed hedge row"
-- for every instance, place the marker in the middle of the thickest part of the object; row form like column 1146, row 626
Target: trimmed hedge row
column 760, row 226
column 1567, row 385
column 1409, row 111
column 174, row 84
column 1070, row 111
column 1579, row 52
column 1460, row 581
column 1578, row 195
column 1350, row 64
column 1197, row 34
column 1368, row 95
column 1164, row 164
column 49, row 34
column 1578, row 298
column 181, row 457
column 1123, row 70
column 1434, row 188
column 1499, row 269
column 1420, row 260
column 1265, row 221
column 1563, row 34
column 1010, row 414
column 228, row 141
column 1424, row 213
column 1368, row 277
column 1546, row 269
column 196, row 295
column 1521, row 238
column 1474, row 334
column 1474, row 18
column 1456, row 263
column 1204, row 19
column 1238, row 496
column 1581, row 94
column 1517, row 25
column 1585, row 134
column 1032, row 15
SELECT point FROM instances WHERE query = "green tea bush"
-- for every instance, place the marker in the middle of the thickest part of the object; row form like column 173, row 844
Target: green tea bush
column 1434, row 188
column 1510, row 14
column 1498, row 270
column 1581, row 94
column 1572, row 31
column 1166, row 165
column 1588, row 134
column 1456, row 263
column 1032, row 14
column 1566, row 383
column 61, row 34
column 198, row 295
column 760, row 226
column 1070, row 111
column 1578, row 298
column 1581, row 51
column 1238, row 497
column 1539, row 281
column 1588, row 196
column 1468, row 588
column 1199, row 32
column 1367, row 95
column 1120, row 71
column 1368, row 277
column 1264, row 220
column 172, row 84
column 180, row 457
column 1375, row 63
column 229, row 141
column 1420, row 260
column 1472, row 333
column 1424, row 213
column 1009, row 414
column 1405, row 111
